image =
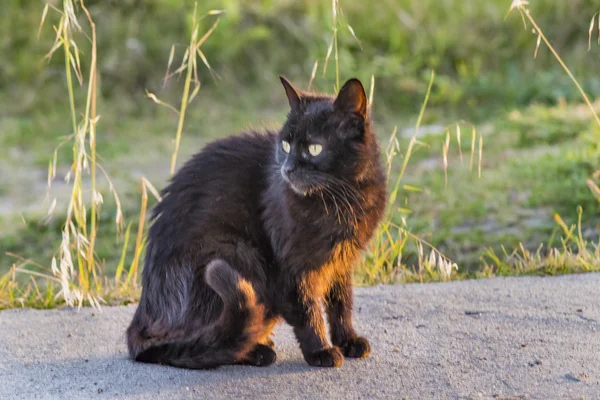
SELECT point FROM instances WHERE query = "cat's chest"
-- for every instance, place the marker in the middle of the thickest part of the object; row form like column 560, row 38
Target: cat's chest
column 321, row 273
column 318, row 241
column 315, row 236
column 320, row 251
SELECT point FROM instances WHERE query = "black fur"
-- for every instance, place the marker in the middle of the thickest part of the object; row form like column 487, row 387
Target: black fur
column 250, row 231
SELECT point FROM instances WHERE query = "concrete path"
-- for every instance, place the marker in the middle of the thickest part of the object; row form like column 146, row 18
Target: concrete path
column 511, row 338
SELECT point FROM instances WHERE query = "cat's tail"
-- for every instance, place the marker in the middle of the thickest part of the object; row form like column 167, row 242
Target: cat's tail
column 227, row 340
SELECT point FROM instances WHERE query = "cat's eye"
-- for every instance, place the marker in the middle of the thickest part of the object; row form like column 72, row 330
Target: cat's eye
column 286, row 146
column 315, row 149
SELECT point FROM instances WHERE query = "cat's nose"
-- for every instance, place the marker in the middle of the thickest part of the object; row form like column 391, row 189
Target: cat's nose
column 288, row 168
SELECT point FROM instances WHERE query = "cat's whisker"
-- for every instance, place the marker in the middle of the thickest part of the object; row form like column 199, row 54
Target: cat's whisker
column 345, row 192
column 337, row 208
column 324, row 203
column 335, row 193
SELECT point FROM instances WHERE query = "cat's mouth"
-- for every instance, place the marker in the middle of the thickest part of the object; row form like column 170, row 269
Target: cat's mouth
column 299, row 187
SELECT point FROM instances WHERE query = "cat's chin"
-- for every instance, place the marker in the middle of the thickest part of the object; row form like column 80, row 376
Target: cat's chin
column 300, row 190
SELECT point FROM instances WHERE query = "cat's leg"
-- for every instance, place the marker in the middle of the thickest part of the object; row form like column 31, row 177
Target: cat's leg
column 268, row 331
column 263, row 353
column 304, row 314
column 338, row 304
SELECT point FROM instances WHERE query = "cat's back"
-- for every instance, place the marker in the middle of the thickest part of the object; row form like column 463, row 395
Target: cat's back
column 217, row 190
column 225, row 161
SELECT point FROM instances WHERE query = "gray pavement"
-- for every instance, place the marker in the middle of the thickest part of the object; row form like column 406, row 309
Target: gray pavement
column 511, row 338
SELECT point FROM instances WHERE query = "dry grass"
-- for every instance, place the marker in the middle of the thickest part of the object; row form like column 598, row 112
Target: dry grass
column 76, row 275
column 383, row 262
column 336, row 11
column 189, row 65
column 575, row 254
column 521, row 5
column 76, row 268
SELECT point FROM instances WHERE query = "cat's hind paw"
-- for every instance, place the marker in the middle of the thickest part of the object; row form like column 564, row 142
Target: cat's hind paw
column 330, row 357
column 269, row 343
column 357, row 347
column 260, row 356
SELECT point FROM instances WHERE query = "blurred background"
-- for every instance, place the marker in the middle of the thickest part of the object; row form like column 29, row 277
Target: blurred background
column 540, row 143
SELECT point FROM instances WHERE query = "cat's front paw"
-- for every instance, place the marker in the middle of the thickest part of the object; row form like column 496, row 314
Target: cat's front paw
column 357, row 347
column 260, row 356
column 330, row 357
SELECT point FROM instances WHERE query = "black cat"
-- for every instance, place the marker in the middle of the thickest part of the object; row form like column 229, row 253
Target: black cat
column 259, row 227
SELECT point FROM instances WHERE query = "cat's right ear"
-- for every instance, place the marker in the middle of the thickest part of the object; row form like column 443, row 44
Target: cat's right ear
column 292, row 93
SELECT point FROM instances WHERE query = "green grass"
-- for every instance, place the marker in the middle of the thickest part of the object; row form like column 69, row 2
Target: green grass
column 483, row 60
column 514, row 201
column 540, row 146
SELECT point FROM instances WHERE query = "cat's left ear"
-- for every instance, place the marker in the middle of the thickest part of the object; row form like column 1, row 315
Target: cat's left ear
column 292, row 93
column 352, row 99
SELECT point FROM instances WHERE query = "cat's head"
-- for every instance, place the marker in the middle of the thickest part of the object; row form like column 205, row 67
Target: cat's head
column 325, row 141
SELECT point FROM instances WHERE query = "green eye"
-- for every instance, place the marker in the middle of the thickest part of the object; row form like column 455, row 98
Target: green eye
column 286, row 146
column 315, row 149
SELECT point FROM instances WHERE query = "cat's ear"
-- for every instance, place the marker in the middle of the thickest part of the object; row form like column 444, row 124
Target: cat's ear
column 352, row 99
column 292, row 93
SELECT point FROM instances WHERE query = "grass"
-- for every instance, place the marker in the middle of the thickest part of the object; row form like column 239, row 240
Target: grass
column 76, row 267
column 482, row 69
column 527, row 206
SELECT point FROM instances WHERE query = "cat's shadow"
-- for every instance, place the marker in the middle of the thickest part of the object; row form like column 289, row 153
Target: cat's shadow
column 121, row 376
